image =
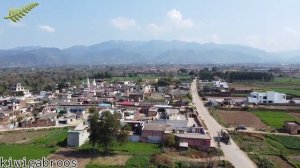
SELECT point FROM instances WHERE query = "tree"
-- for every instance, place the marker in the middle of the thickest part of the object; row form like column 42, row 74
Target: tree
column 170, row 140
column 93, row 138
column 123, row 135
column 108, row 130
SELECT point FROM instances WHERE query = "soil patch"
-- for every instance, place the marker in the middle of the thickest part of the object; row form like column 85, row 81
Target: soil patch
column 21, row 137
column 279, row 162
column 82, row 158
column 233, row 118
column 117, row 160
column 295, row 114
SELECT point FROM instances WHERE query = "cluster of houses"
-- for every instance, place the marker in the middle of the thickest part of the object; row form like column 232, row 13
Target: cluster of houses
column 152, row 111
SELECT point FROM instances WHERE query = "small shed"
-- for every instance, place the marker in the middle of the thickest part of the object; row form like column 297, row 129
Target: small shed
column 293, row 127
column 78, row 136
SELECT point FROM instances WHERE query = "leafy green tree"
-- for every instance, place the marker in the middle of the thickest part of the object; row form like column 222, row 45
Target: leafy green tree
column 123, row 135
column 170, row 140
column 108, row 130
column 94, row 122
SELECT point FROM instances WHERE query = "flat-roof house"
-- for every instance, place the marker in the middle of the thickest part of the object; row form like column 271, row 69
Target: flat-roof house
column 220, row 84
column 78, row 136
column 197, row 140
column 267, row 97
column 154, row 133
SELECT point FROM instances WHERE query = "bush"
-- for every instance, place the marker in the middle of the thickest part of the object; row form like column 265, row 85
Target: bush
column 170, row 141
column 162, row 161
column 264, row 163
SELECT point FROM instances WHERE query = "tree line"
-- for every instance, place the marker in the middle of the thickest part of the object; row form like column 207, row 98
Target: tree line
column 236, row 76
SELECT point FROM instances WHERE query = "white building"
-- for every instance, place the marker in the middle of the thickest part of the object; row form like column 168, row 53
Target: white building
column 78, row 136
column 220, row 84
column 267, row 97
column 19, row 88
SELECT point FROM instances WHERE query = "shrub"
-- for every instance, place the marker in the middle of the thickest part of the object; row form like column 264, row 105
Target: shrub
column 162, row 161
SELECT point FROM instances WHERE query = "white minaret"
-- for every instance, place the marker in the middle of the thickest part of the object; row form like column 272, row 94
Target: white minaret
column 94, row 82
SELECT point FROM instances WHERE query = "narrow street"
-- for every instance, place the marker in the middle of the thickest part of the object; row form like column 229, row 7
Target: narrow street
column 232, row 152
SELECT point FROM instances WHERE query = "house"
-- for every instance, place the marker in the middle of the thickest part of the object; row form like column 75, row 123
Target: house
column 221, row 85
column 154, row 133
column 193, row 140
column 136, row 97
column 292, row 127
column 15, row 88
column 78, row 136
column 267, row 97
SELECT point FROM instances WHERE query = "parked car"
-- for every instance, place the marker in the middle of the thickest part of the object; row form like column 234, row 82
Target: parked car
column 240, row 127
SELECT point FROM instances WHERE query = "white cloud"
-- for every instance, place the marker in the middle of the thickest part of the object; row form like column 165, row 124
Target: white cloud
column 123, row 23
column 292, row 31
column 176, row 17
column 47, row 28
column 174, row 22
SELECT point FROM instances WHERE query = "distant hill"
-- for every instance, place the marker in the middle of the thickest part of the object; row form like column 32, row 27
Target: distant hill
column 140, row 52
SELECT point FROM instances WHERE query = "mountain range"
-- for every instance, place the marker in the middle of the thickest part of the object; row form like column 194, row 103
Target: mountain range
column 144, row 52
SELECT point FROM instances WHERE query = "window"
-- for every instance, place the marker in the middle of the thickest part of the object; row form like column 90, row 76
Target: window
column 265, row 97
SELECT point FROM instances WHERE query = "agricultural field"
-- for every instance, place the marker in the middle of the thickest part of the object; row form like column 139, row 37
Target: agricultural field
column 36, row 144
column 288, row 85
column 128, row 155
column 233, row 118
column 150, row 156
column 275, row 119
column 272, row 150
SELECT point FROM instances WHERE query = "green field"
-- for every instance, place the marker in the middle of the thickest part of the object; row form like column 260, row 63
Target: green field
column 265, row 147
column 141, row 154
column 29, row 151
column 290, row 143
column 37, row 148
column 139, row 148
column 288, row 85
column 274, row 119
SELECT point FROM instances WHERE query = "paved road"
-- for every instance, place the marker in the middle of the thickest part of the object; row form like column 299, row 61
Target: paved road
column 232, row 152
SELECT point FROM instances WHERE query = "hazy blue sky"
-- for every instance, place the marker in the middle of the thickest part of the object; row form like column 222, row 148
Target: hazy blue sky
column 272, row 25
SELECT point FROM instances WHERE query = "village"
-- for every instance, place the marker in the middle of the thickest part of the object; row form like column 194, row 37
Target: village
column 155, row 108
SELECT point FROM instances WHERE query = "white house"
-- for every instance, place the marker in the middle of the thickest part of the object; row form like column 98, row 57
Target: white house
column 19, row 88
column 267, row 97
column 78, row 136
column 220, row 84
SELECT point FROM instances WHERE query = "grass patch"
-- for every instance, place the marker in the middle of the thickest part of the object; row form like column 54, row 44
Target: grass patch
column 139, row 148
column 40, row 147
column 274, row 119
column 18, row 151
column 139, row 161
column 288, row 85
column 289, row 142
column 140, row 154
column 264, row 148
column 55, row 137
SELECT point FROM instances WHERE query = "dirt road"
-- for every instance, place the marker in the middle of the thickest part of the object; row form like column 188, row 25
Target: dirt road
column 232, row 152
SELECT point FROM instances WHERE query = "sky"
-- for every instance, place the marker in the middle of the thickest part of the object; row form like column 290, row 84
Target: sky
column 272, row 25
